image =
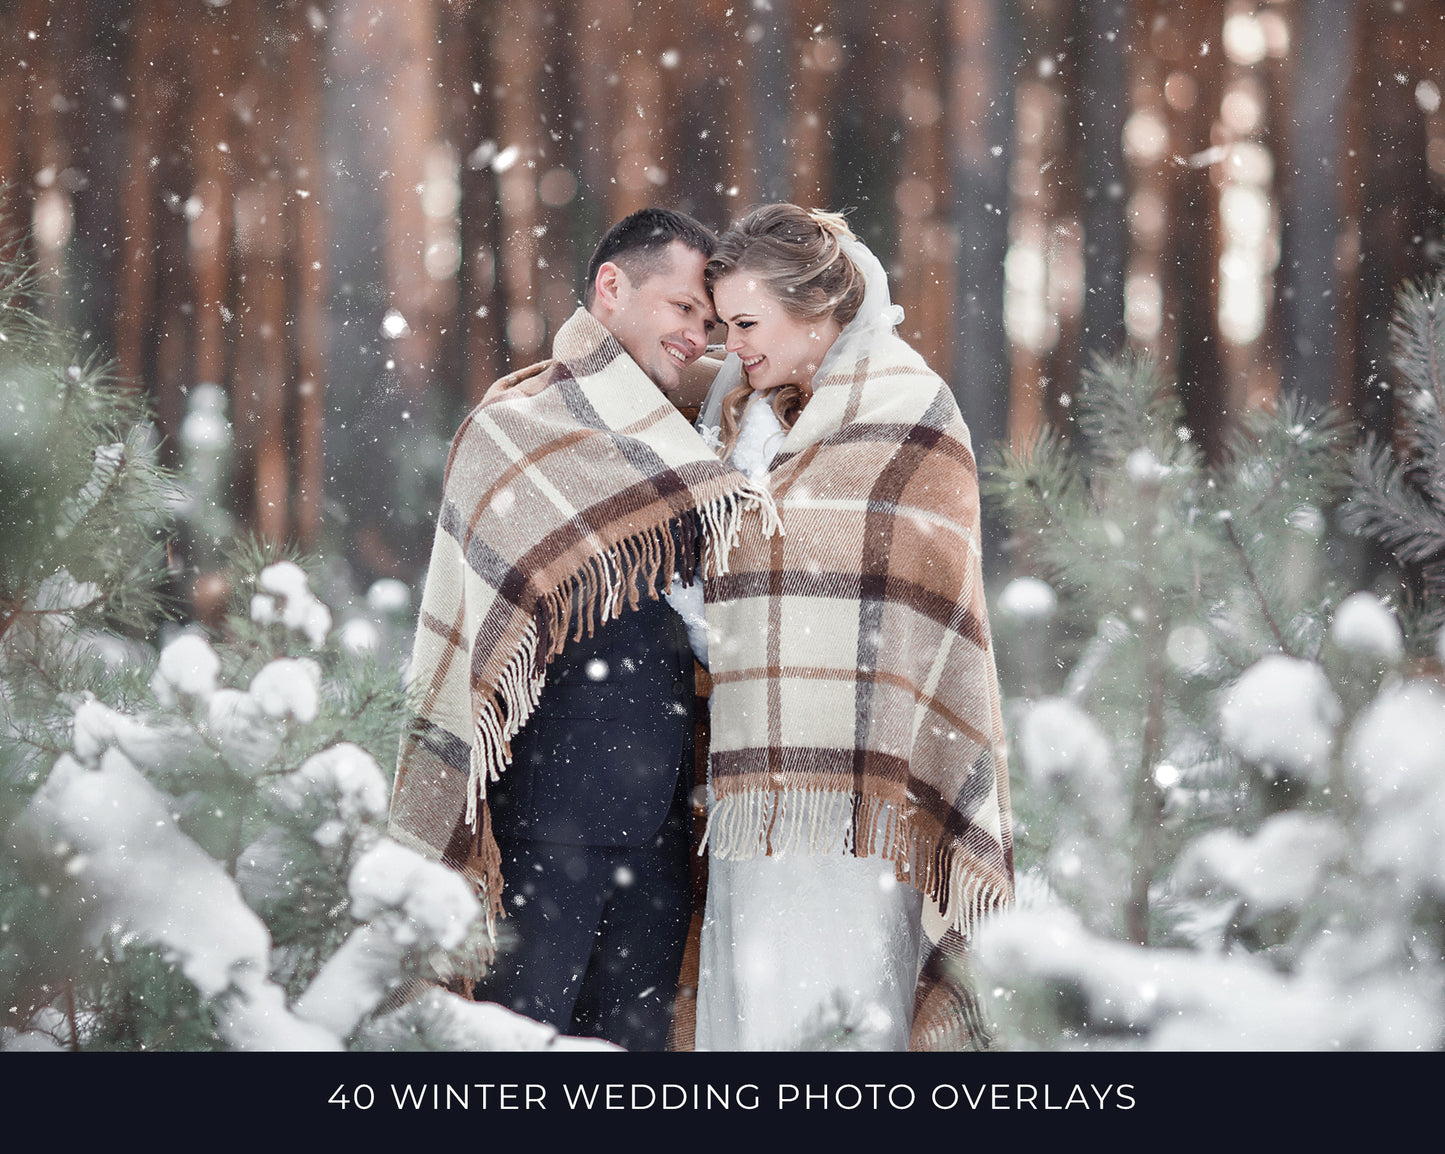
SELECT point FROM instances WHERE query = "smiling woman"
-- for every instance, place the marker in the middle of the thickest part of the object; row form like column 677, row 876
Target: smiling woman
column 758, row 321
column 785, row 289
column 858, row 814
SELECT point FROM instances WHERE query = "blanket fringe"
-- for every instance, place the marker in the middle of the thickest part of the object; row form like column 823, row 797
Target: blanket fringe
column 722, row 523
column 791, row 821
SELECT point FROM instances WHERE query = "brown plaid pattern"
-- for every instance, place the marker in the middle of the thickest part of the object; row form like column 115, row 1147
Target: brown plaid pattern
column 855, row 701
column 573, row 485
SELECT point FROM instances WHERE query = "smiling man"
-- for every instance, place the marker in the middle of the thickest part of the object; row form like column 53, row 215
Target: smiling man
column 645, row 286
column 549, row 755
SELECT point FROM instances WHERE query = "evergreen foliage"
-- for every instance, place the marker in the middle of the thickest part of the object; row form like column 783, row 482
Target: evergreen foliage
column 83, row 513
column 80, row 491
column 1240, row 764
column 82, row 518
column 195, row 849
column 1399, row 497
column 1190, row 573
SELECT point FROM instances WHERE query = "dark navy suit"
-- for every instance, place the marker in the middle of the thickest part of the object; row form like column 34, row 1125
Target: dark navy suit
column 594, row 824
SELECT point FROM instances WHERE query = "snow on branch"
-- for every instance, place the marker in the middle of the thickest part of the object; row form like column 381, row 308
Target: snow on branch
column 129, row 871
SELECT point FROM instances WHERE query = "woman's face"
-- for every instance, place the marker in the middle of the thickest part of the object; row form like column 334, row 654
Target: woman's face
column 775, row 347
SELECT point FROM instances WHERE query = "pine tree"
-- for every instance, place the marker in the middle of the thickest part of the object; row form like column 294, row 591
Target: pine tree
column 82, row 514
column 195, row 821
column 1399, row 501
column 1187, row 573
column 1283, row 763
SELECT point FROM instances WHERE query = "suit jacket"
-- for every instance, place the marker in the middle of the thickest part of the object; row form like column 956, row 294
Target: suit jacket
column 600, row 760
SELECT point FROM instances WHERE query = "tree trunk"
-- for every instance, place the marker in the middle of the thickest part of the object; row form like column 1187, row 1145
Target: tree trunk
column 1395, row 194
column 16, row 56
column 517, row 55
column 769, row 74
column 97, row 81
column 262, row 365
column 309, row 211
column 1312, row 201
column 1191, row 291
column 212, row 229
column 52, row 120
column 1103, row 37
column 924, row 283
column 137, row 258
column 601, row 33
column 984, row 49
column 815, row 87
column 479, row 303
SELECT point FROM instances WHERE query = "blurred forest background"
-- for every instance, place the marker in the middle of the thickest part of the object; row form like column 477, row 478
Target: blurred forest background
column 310, row 233
column 353, row 215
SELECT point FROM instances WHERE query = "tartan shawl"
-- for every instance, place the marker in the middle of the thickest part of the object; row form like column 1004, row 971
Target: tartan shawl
column 573, row 486
column 855, row 704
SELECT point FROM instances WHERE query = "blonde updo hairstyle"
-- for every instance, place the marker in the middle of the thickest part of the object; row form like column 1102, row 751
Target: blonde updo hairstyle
column 797, row 257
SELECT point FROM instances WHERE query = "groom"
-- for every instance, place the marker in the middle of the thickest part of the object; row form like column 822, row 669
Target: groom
column 550, row 755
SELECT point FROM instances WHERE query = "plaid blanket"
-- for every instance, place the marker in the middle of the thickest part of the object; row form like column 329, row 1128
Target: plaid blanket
column 855, row 701
column 573, row 489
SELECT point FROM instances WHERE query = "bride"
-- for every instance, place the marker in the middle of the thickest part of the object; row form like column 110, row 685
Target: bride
column 858, row 797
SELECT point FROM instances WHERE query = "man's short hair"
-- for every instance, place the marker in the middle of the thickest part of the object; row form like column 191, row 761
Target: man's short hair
column 638, row 244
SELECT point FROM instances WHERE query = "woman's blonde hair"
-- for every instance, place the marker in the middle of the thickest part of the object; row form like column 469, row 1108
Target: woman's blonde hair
column 798, row 257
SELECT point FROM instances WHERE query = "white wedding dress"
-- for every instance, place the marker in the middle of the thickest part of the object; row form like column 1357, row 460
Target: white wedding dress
column 804, row 951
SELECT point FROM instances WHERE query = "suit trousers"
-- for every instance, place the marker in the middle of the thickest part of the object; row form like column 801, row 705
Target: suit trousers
column 594, row 935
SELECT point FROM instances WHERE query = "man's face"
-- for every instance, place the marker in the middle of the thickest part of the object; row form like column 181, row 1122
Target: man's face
column 663, row 320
